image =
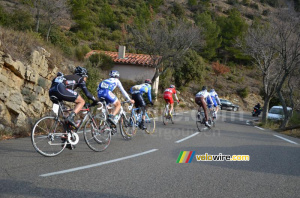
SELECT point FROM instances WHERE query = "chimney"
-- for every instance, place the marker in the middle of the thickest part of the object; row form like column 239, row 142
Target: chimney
column 121, row 53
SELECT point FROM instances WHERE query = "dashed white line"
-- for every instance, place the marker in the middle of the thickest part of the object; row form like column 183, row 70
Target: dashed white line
column 178, row 141
column 259, row 128
column 290, row 141
column 98, row 164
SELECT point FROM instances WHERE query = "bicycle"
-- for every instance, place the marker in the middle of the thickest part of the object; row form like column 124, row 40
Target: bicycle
column 149, row 123
column 200, row 120
column 126, row 124
column 166, row 116
column 51, row 134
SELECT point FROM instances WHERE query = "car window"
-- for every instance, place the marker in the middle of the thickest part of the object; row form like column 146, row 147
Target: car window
column 276, row 111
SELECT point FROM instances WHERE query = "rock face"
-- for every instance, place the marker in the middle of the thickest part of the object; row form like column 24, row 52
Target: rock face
column 24, row 90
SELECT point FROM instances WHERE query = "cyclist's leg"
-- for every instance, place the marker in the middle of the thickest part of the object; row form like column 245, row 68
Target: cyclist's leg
column 70, row 96
column 79, row 104
column 142, row 106
column 172, row 105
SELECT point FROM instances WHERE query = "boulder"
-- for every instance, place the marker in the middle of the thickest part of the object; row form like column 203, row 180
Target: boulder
column 15, row 101
column 4, row 92
column 5, row 117
column 21, row 120
column 31, row 75
column 39, row 63
column 17, row 67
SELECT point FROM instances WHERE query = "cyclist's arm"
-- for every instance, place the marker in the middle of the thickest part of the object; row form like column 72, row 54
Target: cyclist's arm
column 176, row 96
column 86, row 91
column 218, row 99
column 125, row 94
column 149, row 94
column 209, row 98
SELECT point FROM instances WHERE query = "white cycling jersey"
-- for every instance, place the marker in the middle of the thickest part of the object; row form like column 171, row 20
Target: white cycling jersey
column 205, row 94
column 111, row 84
column 215, row 95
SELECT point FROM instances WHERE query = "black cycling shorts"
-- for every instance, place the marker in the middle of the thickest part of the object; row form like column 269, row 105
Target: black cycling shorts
column 139, row 100
column 62, row 93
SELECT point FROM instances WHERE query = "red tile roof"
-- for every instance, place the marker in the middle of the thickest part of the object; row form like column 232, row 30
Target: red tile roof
column 132, row 59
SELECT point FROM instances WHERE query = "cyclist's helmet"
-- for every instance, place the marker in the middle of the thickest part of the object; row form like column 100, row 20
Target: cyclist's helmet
column 172, row 86
column 204, row 88
column 59, row 74
column 81, row 71
column 114, row 74
column 148, row 81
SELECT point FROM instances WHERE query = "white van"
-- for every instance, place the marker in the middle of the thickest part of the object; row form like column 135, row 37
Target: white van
column 276, row 113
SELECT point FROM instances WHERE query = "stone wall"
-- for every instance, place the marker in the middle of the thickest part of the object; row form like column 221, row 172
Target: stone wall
column 24, row 90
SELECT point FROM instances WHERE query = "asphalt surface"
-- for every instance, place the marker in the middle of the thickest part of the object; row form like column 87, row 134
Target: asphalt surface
column 146, row 165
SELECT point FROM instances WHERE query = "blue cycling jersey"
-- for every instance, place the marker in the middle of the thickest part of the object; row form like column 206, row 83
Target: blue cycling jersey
column 141, row 89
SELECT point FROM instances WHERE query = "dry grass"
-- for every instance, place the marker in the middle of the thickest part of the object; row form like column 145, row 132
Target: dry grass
column 19, row 45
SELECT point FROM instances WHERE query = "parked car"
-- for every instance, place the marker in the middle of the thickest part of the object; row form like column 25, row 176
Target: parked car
column 276, row 113
column 226, row 104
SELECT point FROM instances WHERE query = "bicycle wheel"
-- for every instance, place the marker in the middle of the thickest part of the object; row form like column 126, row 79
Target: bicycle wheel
column 97, row 134
column 200, row 121
column 165, row 116
column 48, row 136
column 127, row 127
column 150, row 123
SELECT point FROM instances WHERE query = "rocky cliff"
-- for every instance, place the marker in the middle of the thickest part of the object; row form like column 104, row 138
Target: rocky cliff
column 24, row 90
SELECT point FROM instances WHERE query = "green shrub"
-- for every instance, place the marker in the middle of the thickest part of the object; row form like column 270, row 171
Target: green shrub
column 102, row 61
column 295, row 119
column 244, row 92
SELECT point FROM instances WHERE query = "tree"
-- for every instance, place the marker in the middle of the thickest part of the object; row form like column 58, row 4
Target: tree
column 166, row 43
column 276, row 50
column 219, row 69
column 55, row 12
column 257, row 44
column 286, row 26
column 211, row 33
column 190, row 68
column 232, row 28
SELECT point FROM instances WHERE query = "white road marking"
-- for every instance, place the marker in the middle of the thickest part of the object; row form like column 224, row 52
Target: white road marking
column 290, row 141
column 178, row 141
column 259, row 128
column 186, row 112
column 98, row 164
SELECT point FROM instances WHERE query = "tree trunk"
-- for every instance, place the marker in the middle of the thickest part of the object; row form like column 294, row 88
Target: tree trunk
column 48, row 33
column 285, row 111
column 37, row 16
column 266, row 109
column 156, row 74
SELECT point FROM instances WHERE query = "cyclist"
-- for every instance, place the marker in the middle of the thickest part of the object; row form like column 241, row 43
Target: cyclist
column 63, row 88
column 105, row 90
column 137, row 92
column 168, row 96
column 216, row 101
column 200, row 99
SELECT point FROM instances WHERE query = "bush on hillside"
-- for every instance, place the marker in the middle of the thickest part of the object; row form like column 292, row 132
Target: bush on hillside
column 243, row 92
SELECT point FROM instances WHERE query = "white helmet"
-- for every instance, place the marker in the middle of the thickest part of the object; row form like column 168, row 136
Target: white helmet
column 114, row 74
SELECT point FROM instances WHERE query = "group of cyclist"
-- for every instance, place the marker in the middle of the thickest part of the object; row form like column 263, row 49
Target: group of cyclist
column 63, row 87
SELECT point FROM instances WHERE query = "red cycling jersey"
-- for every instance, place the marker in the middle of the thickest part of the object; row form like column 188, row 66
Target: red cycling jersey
column 168, row 95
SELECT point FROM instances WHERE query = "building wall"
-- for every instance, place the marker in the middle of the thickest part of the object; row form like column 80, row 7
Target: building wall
column 137, row 73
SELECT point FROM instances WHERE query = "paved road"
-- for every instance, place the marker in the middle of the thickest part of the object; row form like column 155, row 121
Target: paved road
column 146, row 166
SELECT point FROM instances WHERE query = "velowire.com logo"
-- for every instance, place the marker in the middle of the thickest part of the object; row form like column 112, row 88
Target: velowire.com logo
column 187, row 157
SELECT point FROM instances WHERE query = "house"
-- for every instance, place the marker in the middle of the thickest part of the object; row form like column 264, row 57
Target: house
column 136, row 67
